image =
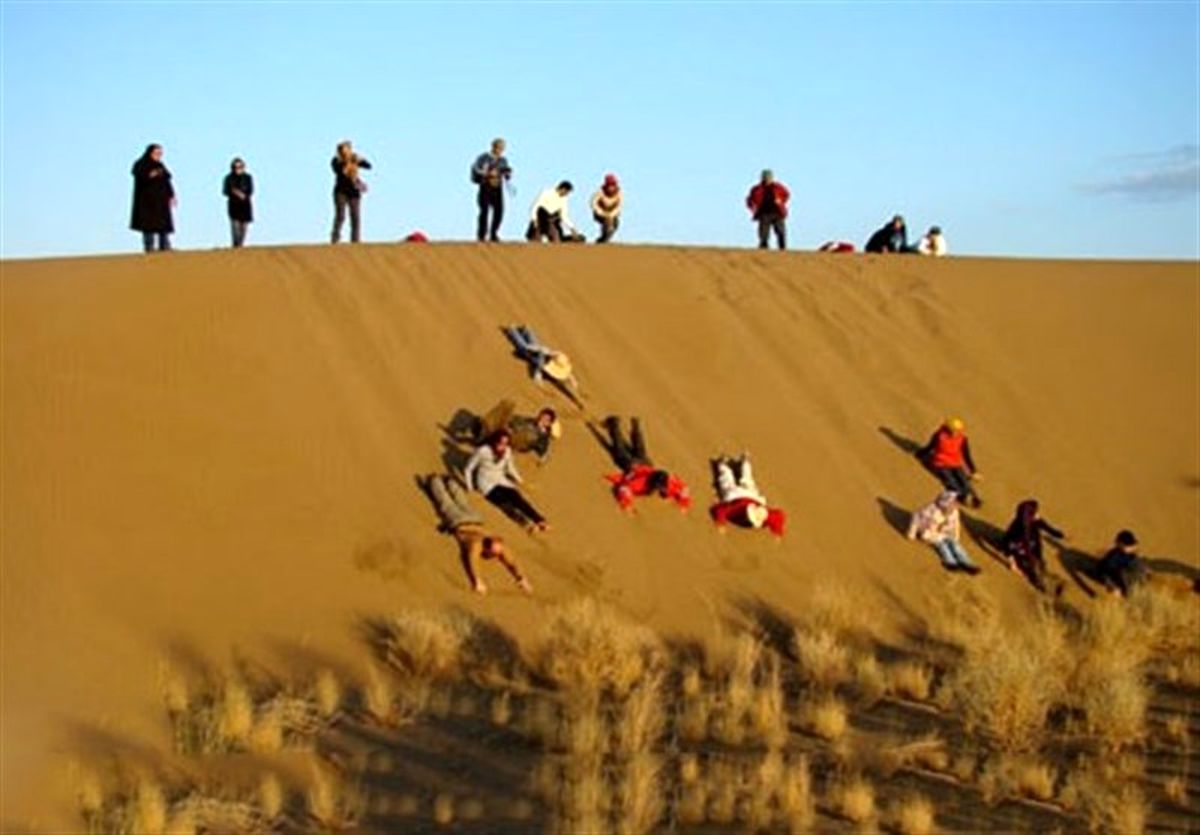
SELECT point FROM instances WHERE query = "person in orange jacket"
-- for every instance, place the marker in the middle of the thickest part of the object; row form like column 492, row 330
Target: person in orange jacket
column 741, row 502
column 948, row 456
column 639, row 476
column 767, row 202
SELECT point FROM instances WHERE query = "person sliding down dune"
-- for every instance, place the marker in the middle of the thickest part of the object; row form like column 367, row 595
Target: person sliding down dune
column 544, row 361
column 493, row 473
column 1022, row 543
column 638, row 476
column 529, row 434
column 466, row 526
column 741, row 502
column 948, row 456
column 937, row 523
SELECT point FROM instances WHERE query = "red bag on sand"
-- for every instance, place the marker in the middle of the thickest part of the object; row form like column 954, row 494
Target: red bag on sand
column 417, row 237
column 836, row 246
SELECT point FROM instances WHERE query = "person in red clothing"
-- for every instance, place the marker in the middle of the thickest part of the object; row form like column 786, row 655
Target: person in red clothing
column 639, row 476
column 767, row 203
column 741, row 502
column 948, row 456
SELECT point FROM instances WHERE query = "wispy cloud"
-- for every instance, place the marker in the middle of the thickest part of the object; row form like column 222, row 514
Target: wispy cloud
column 1172, row 174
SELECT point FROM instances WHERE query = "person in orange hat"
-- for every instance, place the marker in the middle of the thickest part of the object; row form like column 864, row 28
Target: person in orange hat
column 948, row 456
column 606, row 207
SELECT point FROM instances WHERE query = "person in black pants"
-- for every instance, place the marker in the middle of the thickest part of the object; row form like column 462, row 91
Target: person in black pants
column 492, row 472
column 490, row 172
column 348, row 189
column 1120, row 569
column 1022, row 543
column 153, row 199
column 238, row 187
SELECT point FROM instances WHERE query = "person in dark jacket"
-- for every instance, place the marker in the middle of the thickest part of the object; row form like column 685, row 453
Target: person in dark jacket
column 237, row 188
column 767, row 202
column 948, row 456
column 490, row 172
column 891, row 237
column 1120, row 569
column 153, row 199
column 348, row 189
column 1022, row 543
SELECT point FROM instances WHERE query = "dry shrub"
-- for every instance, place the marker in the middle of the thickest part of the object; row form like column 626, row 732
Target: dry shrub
column 640, row 717
column 235, row 715
column 266, row 737
column 833, row 608
column 928, row 752
column 443, row 810
column 378, row 696
column 327, row 693
column 587, row 646
column 1176, row 728
column 910, row 680
column 1108, row 683
column 174, row 689
column 692, row 721
column 723, row 781
column 823, row 658
column 854, row 800
column 1169, row 619
column 735, row 667
column 471, row 809
column 692, row 802
column 1103, row 791
column 1175, row 791
column 427, row 645
column 870, row 682
column 500, row 708
column 914, row 816
column 1127, row 811
column 826, row 718
column 270, row 797
column 583, row 731
column 795, row 796
column 583, row 798
column 149, row 809
column 767, row 717
column 639, row 804
column 330, row 803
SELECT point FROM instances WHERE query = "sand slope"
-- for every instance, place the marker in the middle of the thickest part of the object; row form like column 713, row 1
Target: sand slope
column 215, row 452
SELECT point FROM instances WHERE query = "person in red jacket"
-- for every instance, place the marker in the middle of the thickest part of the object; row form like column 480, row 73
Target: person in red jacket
column 741, row 502
column 639, row 476
column 948, row 456
column 767, row 203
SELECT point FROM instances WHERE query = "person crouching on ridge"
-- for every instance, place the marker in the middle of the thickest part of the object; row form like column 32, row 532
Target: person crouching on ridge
column 606, row 208
column 549, row 218
column 948, row 456
column 740, row 501
column 639, row 476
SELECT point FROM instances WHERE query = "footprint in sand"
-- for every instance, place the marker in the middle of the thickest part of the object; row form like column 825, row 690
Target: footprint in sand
column 388, row 559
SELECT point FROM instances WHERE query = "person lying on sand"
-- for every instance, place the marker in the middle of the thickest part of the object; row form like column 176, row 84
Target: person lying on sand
column 938, row 524
column 948, row 456
column 474, row 543
column 1022, row 543
column 639, row 476
column 492, row 472
column 542, row 360
column 529, row 434
column 740, row 501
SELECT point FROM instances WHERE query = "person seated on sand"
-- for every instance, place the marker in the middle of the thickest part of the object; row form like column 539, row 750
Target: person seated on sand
column 466, row 526
column 1022, row 543
column 606, row 208
column 948, row 456
column 639, row 476
column 938, row 524
column 549, row 218
column 740, row 501
column 891, row 237
column 933, row 243
column 529, row 434
column 492, row 473
column 1120, row 569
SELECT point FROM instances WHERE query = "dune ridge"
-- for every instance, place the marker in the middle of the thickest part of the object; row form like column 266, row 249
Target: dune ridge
column 215, row 452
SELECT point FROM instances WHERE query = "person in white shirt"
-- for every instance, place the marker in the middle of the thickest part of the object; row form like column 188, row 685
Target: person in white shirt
column 933, row 243
column 549, row 218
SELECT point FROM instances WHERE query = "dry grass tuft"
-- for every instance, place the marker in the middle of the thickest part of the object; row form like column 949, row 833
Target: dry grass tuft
column 1176, row 728
column 587, row 646
column 870, row 681
column 640, row 718
column 1175, row 791
column 327, row 693
column 638, row 799
column 794, row 796
column 833, row 608
column 823, row 658
column 443, row 810
column 910, row 680
column 826, row 718
column 379, row 697
column 914, row 816
column 331, row 804
column 149, row 809
column 854, row 800
column 427, row 645
column 270, row 797
column 235, row 714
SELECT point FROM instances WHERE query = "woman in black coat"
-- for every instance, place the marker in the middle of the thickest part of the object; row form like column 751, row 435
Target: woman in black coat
column 1022, row 543
column 237, row 188
column 153, row 199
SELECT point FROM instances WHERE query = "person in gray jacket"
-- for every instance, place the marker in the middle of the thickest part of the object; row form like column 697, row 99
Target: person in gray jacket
column 492, row 472
column 466, row 526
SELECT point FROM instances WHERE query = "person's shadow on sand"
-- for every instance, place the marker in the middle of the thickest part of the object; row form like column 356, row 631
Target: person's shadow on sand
column 896, row 517
column 905, row 444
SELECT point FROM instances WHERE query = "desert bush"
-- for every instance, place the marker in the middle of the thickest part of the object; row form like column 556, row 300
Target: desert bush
column 426, row 645
column 640, row 718
column 914, row 816
column 853, row 799
column 768, row 719
column 1017, row 776
column 327, row 693
column 587, row 646
column 826, row 718
column 822, row 657
column 835, row 609
column 795, row 796
column 270, row 797
column 1175, row 791
column 638, row 800
column 330, row 803
column 910, row 680
column 870, row 681
column 149, row 809
column 723, row 780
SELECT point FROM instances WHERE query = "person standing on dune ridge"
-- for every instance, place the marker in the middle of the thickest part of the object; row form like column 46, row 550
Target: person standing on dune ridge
column 767, row 202
column 238, row 188
column 153, row 200
column 348, row 189
column 490, row 172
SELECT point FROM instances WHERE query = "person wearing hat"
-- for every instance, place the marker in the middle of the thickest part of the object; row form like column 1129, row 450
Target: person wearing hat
column 740, row 502
column 638, row 475
column 938, row 524
column 1022, row 543
column 606, row 207
column 492, row 472
column 549, row 218
column 542, row 360
column 948, row 456
column 490, row 172
column 933, row 243
column 1120, row 569
column 767, row 202
column 529, row 434
column 466, row 526
column 891, row 237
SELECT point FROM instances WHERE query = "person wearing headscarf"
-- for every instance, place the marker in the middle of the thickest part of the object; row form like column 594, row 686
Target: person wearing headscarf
column 606, row 207
column 891, row 237
column 1022, row 543
column 348, row 189
column 948, row 456
column 153, row 200
column 939, row 525
column 238, row 188
column 768, row 205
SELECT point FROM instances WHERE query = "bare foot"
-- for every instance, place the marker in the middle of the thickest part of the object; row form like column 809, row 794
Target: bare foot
column 480, row 588
column 524, row 585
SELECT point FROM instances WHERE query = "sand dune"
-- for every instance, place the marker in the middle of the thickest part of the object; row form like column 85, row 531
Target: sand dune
column 214, row 453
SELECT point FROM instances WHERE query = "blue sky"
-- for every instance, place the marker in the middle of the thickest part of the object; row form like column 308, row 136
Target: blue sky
column 1024, row 129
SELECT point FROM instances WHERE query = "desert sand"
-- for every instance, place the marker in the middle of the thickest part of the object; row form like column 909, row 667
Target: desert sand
column 211, row 455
